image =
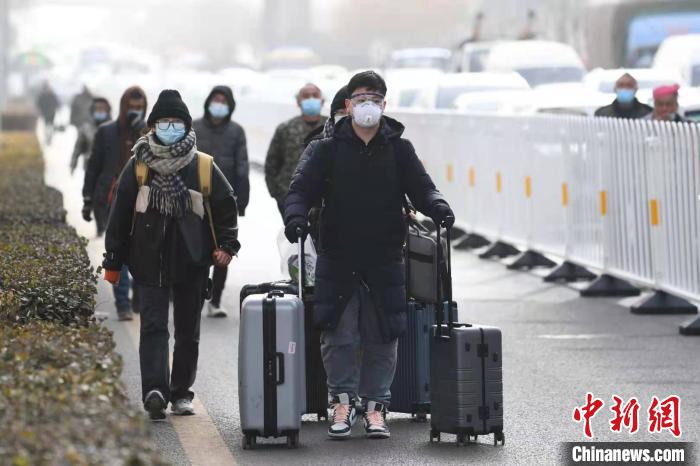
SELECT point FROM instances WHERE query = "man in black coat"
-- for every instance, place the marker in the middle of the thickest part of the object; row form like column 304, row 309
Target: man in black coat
column 362, row 175
column 625, row 104
column 162, row 230
column 225, row 140
column 111, row 150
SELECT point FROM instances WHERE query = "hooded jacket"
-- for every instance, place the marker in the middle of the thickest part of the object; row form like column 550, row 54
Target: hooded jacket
column 363, row 227
column 111, row 149
column 161, row 250
column 226, row 142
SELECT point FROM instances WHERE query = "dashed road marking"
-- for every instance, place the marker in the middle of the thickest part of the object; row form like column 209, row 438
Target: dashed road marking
column 198, row 435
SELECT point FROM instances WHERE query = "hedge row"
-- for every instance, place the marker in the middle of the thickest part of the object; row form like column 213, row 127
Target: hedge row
column 61, row 399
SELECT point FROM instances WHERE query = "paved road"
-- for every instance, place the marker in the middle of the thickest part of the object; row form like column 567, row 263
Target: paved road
column 557, row 347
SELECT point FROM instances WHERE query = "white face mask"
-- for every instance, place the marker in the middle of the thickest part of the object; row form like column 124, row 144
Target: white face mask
column 366, row 114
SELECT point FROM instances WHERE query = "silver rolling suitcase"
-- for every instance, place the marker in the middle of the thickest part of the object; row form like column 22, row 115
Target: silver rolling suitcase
column 466, row 376
column 271, row 366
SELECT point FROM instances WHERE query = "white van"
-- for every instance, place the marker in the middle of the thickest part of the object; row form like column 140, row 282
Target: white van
column 682, row 55
column 538, row 61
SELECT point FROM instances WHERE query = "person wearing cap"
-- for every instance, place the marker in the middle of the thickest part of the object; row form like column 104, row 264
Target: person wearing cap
column 361, row 175
column 287, row 143
column 161, row 229
column 666, row 104
column 626, row 104
column 224, row 139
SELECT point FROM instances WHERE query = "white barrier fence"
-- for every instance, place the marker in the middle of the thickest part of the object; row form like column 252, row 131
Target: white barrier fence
column 621, row 196
column 618, row 195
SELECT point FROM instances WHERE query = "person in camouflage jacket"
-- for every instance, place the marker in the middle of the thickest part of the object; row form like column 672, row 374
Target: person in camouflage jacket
column 288, row 144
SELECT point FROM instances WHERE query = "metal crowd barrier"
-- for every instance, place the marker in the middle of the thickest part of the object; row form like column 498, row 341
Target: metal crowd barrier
column 620, row 197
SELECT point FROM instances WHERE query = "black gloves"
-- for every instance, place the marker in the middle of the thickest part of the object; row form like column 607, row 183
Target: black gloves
column 293, row 227
column 443, row 215
column 87, row 210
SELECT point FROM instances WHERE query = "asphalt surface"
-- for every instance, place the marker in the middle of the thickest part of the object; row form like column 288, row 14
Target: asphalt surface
column 556, row 347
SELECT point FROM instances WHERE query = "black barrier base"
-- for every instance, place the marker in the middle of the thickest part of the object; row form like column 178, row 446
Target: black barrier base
column 499, row 249
column 472, row 241
column 570, row 272
column 609, row 286
column 691, row 328
column 664, row 303
column 529, row 260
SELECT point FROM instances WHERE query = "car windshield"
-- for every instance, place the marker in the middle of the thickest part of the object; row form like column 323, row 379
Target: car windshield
column 407, row 97
column 439, row 63
column 549, row 75
column 446, row 96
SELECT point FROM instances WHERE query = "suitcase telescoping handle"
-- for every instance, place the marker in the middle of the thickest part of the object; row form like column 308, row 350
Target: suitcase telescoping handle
column 302, row 263
column 444, row 300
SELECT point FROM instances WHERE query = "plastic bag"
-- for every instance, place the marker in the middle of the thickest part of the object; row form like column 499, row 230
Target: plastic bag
column 289, row 258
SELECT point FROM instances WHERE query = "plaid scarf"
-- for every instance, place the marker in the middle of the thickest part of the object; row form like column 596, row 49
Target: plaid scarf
column 168, row 193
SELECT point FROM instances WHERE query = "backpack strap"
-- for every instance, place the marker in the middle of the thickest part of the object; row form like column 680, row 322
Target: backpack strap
column 205, row 164
column 141, row 170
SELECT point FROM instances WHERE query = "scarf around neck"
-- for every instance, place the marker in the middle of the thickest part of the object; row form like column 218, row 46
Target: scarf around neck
column 168, row 193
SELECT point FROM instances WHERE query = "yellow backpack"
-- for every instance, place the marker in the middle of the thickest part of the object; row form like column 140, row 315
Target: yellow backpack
column 205, row 163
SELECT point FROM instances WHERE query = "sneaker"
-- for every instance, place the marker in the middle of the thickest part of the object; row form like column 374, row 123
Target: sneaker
column 125, row 314
column 155, row 405
column 182, row 407
column 343, row 417
column 375, row 421
column 215, row 310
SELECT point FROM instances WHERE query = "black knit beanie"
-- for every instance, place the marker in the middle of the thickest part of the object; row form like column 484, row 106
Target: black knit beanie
column 338, row 102
column 170, row 105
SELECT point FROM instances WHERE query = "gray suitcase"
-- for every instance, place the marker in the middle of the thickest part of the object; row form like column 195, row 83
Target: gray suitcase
column 422, row 262
column 466, row 376
column 271, row 367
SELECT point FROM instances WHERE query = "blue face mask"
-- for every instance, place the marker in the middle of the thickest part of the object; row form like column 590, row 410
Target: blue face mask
column 171, row 135
column 311, row 107
column 218, row 110
column 625, row 96
column 99, row 117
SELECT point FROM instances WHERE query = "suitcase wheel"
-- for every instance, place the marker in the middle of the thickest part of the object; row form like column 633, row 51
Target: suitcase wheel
column 434, row 435
column 293, row 440
column 499, row 437
column 476, row 437
column 248, row 441
column 322, row 415
column 420, row 417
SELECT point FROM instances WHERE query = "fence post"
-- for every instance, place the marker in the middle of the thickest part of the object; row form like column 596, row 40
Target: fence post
column 607, row 285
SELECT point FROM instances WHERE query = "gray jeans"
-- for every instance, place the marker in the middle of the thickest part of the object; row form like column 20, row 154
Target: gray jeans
column 356, row 360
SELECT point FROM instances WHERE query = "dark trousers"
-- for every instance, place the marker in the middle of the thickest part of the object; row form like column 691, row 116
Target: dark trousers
column 188, row 299
column 218, row 279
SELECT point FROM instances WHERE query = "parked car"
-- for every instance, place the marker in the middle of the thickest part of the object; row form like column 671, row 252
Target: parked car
column 539, row 62
column 443, row 93
column 682, row 55
column 603, row 81
column 428, row 57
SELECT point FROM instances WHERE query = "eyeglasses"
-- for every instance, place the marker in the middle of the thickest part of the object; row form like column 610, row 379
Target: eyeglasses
column 373, row 97
column 164, row 125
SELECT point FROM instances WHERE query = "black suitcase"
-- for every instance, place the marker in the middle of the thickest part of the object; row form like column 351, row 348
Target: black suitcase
column 466, row 375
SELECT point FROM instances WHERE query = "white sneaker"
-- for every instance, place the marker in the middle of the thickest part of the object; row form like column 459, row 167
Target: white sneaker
column 343, row 418
column 215, row 310
column 182, row 407
column 375, row 421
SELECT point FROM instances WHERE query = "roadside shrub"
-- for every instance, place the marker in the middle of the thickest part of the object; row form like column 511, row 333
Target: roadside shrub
column 23, row 195
column 61, row 399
